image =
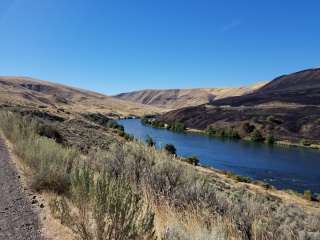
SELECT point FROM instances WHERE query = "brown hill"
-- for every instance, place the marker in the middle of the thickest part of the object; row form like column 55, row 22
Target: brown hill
column 179, row 98
column 287, row 108
column 36, row 93
column 301, row 88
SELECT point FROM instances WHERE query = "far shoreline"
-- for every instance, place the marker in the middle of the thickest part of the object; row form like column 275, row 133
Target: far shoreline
column 281, row 143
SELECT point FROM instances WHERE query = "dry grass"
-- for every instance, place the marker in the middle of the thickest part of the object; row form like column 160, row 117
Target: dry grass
column 180, row 195
column 49, row 162
column 52, row 228
column 192, row 225
column 251, row 214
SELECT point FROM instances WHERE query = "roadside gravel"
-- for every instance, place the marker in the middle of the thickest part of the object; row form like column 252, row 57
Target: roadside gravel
column 18, row 217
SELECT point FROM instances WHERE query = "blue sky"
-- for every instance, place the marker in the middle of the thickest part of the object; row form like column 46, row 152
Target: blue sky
column 123, row 45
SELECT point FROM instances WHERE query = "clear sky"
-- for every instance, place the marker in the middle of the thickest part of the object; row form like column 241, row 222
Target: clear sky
column 123, row 45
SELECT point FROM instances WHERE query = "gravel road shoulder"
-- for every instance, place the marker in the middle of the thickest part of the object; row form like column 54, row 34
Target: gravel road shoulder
column 18, row 216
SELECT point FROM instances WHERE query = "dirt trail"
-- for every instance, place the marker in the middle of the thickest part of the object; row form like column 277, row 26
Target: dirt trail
column 18, row 218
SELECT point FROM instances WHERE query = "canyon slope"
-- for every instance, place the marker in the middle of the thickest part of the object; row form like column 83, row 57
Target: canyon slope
column 288, row 108
column 300, row 88
column 179, row 98
column 24, row 91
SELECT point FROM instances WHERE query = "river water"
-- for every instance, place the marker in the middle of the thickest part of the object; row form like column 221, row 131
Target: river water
column 283, row 167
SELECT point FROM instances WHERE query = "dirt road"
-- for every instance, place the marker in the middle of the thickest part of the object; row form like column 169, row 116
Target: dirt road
column 18, row 220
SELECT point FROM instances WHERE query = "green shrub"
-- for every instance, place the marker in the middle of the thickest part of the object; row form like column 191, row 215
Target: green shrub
column 149, row 141
column 305, row 142
column 256, row 136
column 307, row 195
column 230, row 133
column 128, row 137
column 272, row 119
column 171, row 149
column 50, row 131
column 145, row 120
column 211, row 131
column 270, row 139
column 153, row 121
column 317, row 197
column 247, row 127
column 117, row 211
column 192, row 160
column 49, row 162
column 121, row 211
column 157, row 124
column 121, row 134
column 238, row 177
column 113, row 124
column 177, row 127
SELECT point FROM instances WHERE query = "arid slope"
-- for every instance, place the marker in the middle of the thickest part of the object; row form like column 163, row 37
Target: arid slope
column 301, row 88
column 179, row 98
column 30, row 92
column 287, row 108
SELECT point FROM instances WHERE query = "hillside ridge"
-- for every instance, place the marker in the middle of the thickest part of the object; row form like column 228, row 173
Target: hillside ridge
column 179, row 98
column 287, row 108
column 28, row 91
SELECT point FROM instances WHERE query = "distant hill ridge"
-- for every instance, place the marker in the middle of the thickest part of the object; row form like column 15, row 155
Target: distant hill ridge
column 287, row 108
column 301, row 87
column 179, row 98
column 37, row 93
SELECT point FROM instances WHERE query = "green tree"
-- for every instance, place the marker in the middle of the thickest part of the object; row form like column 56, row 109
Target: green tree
column 193, row 160
column 247, row 127
column 211, row 131
column 256, row 136
column 270, row 139
column 113, row 124
column 170, row 148
column 178, row 127
column 150, row 142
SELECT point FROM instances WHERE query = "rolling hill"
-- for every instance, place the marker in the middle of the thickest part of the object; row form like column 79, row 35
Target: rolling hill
column 36, row 93
column 287, row 108
column 179, row 98
column 301, row 88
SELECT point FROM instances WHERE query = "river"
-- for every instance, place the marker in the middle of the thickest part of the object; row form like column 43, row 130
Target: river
column 283, row 167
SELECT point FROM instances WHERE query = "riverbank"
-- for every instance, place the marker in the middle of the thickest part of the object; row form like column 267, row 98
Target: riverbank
column 226, row 133
column 288, row 196
column 308, row 198
column 284, row 143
